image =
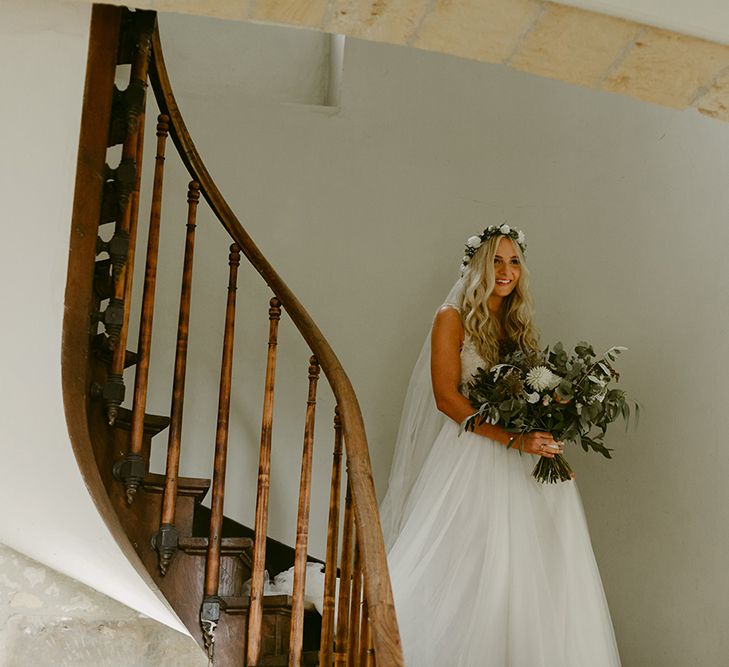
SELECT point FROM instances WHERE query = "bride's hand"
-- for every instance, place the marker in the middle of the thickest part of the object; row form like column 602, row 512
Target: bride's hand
column 540, row 443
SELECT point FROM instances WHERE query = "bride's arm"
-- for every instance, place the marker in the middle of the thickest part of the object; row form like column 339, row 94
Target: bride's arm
column 445, row 372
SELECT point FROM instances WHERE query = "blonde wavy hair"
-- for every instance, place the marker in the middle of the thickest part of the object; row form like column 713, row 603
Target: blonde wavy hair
column 514, row 323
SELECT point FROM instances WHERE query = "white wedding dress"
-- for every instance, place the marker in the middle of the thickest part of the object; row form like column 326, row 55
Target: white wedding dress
column 491, row 568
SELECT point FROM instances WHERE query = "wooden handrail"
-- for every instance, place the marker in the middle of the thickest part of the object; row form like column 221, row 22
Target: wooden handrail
column 383, row 622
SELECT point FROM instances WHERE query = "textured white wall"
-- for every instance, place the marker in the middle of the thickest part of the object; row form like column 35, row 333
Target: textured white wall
column 49, row 620
column 46, row 510
column 364, row 212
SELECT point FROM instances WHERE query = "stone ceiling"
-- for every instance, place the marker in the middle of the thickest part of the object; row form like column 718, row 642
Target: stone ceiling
column 544, row 38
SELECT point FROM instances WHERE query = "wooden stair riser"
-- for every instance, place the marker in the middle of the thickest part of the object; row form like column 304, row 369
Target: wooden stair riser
column 230, row 635
column 190, row 491
column 183, row 583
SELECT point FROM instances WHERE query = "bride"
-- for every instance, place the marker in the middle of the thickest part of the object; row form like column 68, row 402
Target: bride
column 489, row 567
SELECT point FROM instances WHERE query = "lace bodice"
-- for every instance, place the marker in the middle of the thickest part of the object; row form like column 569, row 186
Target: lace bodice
column 471, row 360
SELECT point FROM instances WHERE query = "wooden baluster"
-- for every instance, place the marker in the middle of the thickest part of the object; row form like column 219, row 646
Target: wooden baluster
column 114, row 390
column 210, row 610
column 165, row 541
column 354, row 608
column 255, row 606
column 330, row 568
column 132, row 469
column 296, row 637
column 366, row 652
column 341, row 645
column 131, row 150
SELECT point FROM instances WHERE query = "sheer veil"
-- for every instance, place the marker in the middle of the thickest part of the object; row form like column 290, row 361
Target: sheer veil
column 420, row 424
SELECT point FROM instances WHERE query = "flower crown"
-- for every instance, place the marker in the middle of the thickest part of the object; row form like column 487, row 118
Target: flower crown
column 475, row 242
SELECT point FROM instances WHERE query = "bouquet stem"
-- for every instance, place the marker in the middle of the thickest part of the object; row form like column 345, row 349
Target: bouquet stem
column 552, row 470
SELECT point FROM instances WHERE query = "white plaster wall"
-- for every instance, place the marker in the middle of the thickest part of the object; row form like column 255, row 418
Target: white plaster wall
column 364, row 211
column 46, row 510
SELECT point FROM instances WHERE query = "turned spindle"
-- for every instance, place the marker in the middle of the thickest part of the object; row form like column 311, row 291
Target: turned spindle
column 354, row 607
column 144, row 343
column 330, row 567
column 341, row 644
column 296, row 636
column 166, row 545
column 255, row 607
column 210, row 611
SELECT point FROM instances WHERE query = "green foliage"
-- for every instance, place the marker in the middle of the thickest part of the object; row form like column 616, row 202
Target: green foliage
column 575, row 401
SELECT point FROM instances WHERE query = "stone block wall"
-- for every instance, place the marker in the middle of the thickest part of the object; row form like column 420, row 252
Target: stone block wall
column 50, row 620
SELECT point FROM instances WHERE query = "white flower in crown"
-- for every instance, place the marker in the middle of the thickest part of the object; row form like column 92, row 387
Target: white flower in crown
column 474, row 243
column 540, row 377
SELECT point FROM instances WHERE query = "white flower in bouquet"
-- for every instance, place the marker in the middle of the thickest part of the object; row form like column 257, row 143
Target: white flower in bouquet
column 540, row 378
column 566, row 394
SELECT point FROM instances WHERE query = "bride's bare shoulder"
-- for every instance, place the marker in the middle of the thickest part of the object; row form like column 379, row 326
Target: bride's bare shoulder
column 449, row 314
column 448, row 324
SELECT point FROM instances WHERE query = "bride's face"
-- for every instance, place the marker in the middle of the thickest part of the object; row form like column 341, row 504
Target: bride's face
column 507, row 268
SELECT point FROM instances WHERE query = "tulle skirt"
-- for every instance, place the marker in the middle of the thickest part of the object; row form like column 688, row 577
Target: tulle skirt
column 493, row 569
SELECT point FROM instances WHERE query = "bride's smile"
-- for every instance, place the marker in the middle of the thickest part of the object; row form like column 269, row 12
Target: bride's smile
column 507, row 272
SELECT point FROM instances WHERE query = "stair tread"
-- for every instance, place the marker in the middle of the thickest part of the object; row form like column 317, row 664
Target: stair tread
column 307, row 658
column 239, row 604
column 103, row 353
column 229, row 546
column 186, row 486
column 153, row 424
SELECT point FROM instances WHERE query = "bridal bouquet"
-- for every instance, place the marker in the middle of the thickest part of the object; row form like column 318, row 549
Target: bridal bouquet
column 567, row 395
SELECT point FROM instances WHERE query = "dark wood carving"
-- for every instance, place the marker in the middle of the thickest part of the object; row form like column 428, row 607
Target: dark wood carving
column 125, row 213
column 115, row 378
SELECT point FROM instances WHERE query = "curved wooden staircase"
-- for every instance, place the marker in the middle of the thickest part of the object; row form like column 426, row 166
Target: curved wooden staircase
column 197, row 557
